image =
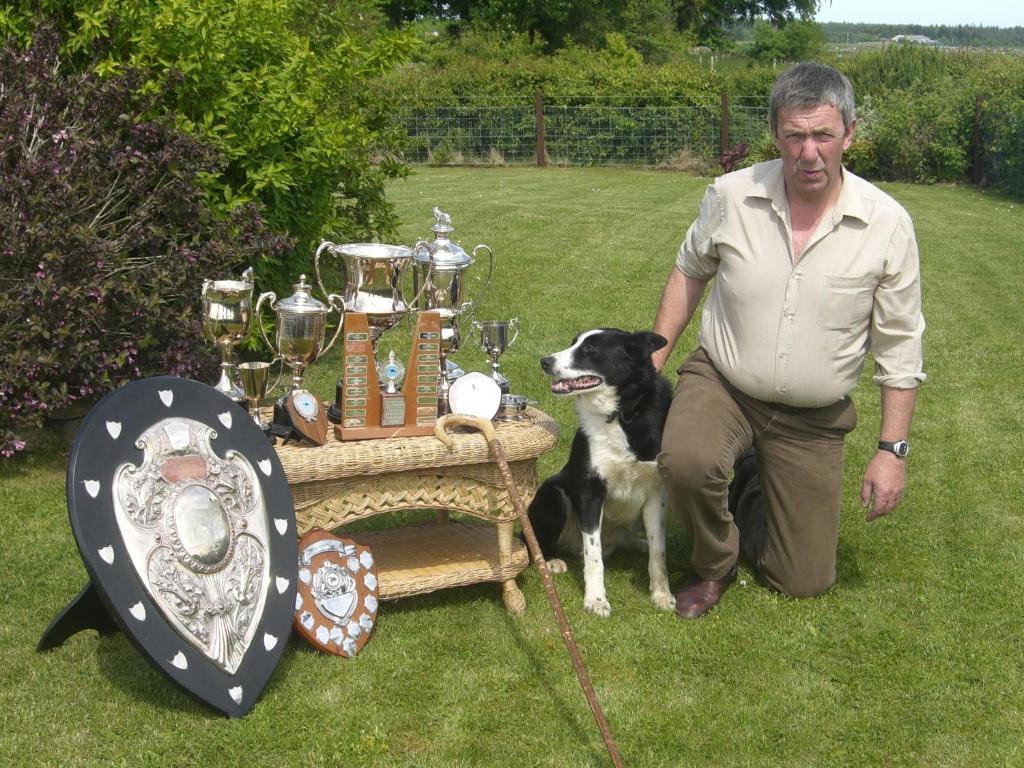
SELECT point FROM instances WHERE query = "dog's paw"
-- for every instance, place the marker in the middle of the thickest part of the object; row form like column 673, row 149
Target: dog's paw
column 598, row 606
column 664, row 601
column 556, row 565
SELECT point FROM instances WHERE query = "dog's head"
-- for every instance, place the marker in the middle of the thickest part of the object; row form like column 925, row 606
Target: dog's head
column 601, row 359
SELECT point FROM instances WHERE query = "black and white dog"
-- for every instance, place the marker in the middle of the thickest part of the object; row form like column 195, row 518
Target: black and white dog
column 611, row 479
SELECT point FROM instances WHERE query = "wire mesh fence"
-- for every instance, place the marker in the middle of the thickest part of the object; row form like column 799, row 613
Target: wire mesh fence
column 593, row 134
column 1002, row 137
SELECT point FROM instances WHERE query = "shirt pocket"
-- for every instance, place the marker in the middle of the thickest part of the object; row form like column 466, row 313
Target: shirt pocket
column 845, row 302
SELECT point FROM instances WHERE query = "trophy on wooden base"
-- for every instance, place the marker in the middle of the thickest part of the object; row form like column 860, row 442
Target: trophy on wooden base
column 370, row 410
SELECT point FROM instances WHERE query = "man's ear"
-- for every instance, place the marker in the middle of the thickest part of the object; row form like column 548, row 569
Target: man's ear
column 848, row 138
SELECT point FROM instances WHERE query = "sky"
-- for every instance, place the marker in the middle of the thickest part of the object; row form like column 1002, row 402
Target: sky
column 989, row 13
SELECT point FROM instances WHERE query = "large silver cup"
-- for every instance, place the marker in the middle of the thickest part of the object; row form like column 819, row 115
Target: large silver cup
column 374, row 277
column 227, row 320
column 300, row 325
column 440, row 280
column 494, row 340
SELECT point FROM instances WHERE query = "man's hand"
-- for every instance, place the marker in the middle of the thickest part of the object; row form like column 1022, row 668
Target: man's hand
column 884, row 481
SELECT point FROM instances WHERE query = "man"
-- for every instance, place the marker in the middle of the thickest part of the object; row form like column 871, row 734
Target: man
column 813, row 266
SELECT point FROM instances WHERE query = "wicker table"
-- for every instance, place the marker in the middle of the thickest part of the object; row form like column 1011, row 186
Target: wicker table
column 340, row 482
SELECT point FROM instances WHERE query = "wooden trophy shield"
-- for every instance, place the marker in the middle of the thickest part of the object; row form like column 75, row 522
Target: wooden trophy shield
column 307, row 414
column 363, row 413
column 336, row 603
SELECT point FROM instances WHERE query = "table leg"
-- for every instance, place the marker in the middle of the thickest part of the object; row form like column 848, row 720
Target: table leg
column 511, row 595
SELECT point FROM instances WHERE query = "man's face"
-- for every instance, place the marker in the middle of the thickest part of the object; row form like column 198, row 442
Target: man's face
column 812, row 141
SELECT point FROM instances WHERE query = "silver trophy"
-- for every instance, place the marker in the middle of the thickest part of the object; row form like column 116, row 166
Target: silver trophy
column 301, row 321
column 439, row 278
column 373, row 275
column 255, row 379
column 494, row 340
column 227, row 320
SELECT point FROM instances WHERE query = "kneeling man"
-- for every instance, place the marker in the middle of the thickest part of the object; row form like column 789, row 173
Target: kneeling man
column 813, row 268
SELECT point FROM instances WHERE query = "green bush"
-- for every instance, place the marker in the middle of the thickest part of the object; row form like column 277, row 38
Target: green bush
column 281, row 88
column 105, row 242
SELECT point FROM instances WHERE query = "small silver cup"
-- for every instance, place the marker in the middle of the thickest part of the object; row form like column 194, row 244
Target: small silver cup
column 494, row 339
column 255, row 378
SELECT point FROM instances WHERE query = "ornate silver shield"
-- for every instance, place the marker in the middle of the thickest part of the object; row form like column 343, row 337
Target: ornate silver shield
column 195, row 526
column 184, row 519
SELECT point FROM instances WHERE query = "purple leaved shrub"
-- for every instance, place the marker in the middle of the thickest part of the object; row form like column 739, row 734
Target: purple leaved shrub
column 104, row 240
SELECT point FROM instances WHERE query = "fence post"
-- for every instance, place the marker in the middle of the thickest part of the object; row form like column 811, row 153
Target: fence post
column 724, row 122
column 978, row 169
column 538, row 112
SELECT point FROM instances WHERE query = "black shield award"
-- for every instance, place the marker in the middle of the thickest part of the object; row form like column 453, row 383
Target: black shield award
column 184, row 520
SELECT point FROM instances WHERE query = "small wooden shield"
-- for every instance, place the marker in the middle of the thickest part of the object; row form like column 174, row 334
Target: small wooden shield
column 336, row 603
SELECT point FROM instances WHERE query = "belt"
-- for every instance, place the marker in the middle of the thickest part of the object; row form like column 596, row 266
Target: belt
column 789, row 408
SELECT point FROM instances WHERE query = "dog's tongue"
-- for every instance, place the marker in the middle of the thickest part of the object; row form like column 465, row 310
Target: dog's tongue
column 564, row 386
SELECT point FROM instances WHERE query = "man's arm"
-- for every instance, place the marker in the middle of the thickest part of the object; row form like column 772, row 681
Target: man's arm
column 886, row 475
column 679, row 300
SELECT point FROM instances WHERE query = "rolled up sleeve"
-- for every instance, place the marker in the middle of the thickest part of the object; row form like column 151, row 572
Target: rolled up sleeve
column 897, row 325
column 697, row 256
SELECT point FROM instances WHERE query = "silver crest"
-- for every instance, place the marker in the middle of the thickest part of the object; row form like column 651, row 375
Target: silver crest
column 195, row 526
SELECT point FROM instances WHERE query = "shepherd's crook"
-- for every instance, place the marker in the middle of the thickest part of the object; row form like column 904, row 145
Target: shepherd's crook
column 485, row 426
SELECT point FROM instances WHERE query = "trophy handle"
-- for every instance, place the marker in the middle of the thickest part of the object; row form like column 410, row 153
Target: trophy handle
column 514, row 324
column 415, row 303
column 475, row 327
column 259, row 319
column 328, row 245
column 490, row 271
column 340, row 306
column 280, row 373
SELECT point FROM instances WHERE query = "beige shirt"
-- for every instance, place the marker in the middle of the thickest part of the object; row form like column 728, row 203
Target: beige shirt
column 797, row 331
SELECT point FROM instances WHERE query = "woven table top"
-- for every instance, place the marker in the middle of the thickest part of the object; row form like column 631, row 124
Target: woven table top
column 336, row 459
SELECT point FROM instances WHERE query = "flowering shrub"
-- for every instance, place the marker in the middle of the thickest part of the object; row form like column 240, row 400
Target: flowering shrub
column 104, row 240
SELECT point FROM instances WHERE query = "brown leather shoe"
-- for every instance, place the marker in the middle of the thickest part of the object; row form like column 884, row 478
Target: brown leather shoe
column 700, row 596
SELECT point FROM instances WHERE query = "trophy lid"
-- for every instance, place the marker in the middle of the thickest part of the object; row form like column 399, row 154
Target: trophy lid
column 302, row 301
column 443, row 252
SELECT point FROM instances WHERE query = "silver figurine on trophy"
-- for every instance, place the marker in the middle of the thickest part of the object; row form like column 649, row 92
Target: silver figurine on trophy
column 227, row 320
column 493, row 340
column 439, row 279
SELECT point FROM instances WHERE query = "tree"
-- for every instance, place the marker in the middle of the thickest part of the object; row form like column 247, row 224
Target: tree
column 707, row 19
column 796, row 41
column 587, row 22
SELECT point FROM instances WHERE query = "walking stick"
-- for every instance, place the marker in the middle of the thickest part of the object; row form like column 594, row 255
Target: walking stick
column 485, row 426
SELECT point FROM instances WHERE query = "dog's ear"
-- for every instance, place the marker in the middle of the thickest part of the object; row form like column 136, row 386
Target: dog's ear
column 653, row 341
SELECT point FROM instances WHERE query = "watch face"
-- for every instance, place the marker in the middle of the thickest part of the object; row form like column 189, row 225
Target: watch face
column 902, row 448
column 305, row 404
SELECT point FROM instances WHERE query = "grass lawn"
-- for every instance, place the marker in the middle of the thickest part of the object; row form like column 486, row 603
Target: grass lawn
column 914, row 658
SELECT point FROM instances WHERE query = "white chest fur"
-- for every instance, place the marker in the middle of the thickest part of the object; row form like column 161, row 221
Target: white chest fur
column 610, row 455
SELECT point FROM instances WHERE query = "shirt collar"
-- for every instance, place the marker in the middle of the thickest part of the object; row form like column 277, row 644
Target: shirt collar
column 771, row 185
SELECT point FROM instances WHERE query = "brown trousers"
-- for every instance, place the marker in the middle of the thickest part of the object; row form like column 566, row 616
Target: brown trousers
column 800, row 464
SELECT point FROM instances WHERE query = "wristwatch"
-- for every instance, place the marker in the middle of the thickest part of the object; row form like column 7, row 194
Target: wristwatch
column 901, row 447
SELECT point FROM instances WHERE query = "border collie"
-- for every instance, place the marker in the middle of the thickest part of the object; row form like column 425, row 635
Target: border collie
column 611, row 479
